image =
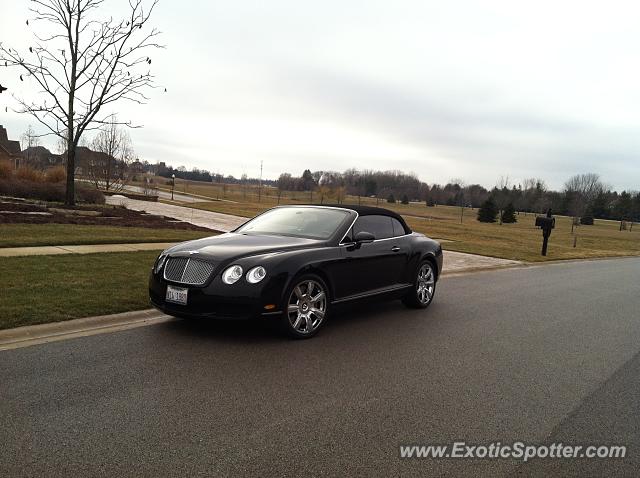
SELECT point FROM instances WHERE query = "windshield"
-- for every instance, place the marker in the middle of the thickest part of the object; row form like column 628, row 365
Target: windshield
column 309, row 222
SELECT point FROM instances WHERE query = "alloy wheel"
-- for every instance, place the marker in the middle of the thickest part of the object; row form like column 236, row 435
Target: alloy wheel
column 307, row 306
column 426, row 283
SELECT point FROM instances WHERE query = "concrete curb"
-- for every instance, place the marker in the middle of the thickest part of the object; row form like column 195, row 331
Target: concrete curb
column 44, row 333
column 475, row 270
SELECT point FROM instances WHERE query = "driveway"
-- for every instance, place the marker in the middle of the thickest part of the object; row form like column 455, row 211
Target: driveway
column 208, row 219
column 540, row 355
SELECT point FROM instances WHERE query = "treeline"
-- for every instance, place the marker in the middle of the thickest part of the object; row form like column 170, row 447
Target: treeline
column 357, row 183
column 182, row 173
column 583, row 195
column 203, row 175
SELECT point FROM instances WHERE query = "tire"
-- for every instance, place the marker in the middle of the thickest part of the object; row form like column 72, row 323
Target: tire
column 304, row 315
column 424, row 287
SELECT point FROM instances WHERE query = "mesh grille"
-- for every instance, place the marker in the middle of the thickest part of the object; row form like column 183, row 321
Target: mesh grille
column 187, row 271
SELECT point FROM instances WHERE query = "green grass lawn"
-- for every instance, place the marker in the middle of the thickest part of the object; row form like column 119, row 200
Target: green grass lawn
column 41, row 289
column 22, row 235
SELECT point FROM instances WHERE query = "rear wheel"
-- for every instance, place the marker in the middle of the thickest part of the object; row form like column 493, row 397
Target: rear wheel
column 424, row 287
column 306, row 307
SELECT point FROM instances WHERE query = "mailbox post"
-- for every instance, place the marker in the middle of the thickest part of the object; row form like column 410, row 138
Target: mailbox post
column 546, row 223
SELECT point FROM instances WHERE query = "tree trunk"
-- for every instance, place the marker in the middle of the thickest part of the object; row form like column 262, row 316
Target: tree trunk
column 70, row 197
column 108, row 181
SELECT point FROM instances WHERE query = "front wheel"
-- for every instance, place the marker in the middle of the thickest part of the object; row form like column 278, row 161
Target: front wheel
column 306, row 307
column 424, row 287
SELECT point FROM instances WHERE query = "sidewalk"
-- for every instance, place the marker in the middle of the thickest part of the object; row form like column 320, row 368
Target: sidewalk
column 84, row 249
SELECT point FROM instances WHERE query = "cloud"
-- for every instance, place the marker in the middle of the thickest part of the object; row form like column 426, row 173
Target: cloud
column 455, row 89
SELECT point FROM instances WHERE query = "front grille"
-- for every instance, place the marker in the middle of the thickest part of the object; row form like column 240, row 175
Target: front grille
column 187, row 270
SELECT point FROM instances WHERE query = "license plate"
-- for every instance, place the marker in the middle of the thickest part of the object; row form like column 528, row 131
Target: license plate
column 177, row 295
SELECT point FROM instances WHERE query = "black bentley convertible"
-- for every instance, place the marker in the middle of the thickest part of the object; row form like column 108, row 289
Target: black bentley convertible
column 295, row 263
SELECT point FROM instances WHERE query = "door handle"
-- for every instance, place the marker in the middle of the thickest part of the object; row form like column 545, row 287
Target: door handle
column 395, row 248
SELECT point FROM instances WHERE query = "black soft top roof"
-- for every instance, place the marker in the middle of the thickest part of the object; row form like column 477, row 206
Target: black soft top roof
column 370, row 211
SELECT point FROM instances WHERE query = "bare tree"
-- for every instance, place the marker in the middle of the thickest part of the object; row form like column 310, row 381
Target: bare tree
column 29, row 139
column 581, row 190
column 148, row 187
column 83, row 66
column 108, row 169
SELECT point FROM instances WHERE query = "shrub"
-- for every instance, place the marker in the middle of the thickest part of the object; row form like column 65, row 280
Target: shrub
column 405, row 199
column 32, row 190
column 56, row 174
column 89, row 195
column 430, row 202
column 6, row 169
column 51, row 192
column 587, row 219
column 27, row 173
column 391, row 198
column 487, row 211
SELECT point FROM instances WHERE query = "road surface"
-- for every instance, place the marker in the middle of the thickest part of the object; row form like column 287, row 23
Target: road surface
column 542, row 354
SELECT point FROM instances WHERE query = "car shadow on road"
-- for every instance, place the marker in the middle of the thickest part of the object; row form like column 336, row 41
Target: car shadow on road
column 345, row 319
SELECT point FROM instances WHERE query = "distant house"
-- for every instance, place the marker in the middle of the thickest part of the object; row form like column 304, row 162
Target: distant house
column 137, row 167
column 41, row 158
column 94, row 163
column 8, row 149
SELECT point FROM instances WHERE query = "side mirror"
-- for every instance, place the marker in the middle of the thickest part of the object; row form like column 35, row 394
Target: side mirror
column 364, row 237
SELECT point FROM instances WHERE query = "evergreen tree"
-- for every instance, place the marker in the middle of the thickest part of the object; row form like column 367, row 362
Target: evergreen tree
column 308, row 183
column 488, row 211
column 509, row 214
column 405, row 199
column 391, row 198
column 599, row 207
column 624, row 206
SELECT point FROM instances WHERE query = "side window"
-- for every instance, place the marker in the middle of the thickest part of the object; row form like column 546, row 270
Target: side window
column 398, row 228
column 380, row 226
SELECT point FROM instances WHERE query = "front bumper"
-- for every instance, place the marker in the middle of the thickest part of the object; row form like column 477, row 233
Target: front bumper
column 218, row 300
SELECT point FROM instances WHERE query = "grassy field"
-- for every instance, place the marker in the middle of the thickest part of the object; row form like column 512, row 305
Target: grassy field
column 56, row 288
column 22, row 235
column 520, row 241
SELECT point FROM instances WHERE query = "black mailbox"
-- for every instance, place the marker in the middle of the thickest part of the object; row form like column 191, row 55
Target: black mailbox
column 546, row 223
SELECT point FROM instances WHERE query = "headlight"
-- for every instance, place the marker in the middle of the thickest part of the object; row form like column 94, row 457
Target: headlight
column 160, row 262
column 256, row 274
column 232, row 274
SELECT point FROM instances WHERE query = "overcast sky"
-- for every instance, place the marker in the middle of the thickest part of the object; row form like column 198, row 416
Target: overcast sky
column 456, row 89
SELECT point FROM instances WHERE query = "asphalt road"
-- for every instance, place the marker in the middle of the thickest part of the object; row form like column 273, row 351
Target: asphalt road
column 537, row 355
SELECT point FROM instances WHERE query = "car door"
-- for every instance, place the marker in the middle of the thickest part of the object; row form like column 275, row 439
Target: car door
column 369, row 267
column 401, row 244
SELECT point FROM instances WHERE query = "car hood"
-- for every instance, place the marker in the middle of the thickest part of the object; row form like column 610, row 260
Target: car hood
column 233, row 245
